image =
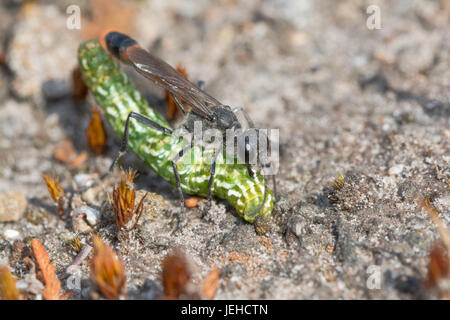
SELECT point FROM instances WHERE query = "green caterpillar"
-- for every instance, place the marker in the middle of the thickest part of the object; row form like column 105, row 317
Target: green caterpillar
column 117, row 96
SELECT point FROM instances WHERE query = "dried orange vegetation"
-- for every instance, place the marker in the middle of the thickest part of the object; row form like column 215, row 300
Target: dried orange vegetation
column 339, row 182
column 210, row 284
column 55, row 190
column 107, row 271
column 96, row 134
column 176, row 279
column 108, row 15
column 438, row 276
column 175, row 275
column 250, row 262
column 75, row 244
column 123, row 200
column 192, row 202
column 8, row 289
column 79, row 88
column 172, row 109
column 52, row 284
column 438, row 268
column 265, row 241
column 433, row 212
column 66, row 153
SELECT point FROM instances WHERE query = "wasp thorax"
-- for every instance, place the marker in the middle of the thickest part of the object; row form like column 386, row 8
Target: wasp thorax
column 225, row 117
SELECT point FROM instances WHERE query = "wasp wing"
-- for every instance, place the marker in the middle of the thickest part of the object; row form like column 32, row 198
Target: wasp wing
column 167, row 77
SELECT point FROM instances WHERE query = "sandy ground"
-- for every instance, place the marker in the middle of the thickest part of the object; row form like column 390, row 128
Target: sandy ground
column 370, row 104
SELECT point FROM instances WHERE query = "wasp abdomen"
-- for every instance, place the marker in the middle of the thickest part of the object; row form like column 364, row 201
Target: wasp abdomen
column 117, row 43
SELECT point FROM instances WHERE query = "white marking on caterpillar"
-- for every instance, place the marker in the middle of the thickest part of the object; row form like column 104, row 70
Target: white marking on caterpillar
column 102, row 91
column 235, row 193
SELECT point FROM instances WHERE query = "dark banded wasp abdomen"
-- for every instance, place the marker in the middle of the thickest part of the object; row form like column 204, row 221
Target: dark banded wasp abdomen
column 117, row 43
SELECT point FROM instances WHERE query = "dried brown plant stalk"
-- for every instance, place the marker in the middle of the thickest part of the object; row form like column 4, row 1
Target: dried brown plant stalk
column 79, row 88
column 210, row 284
column 95, row 134
column 175, row 275
column 176, row 279
column 438, row 276
column 107, row 271
column 52, row 284
column 433, row 212
column 123, row 200
column 55, row 190
column 8, row 289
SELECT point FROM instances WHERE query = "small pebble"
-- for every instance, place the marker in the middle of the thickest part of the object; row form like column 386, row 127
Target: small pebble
column 11, row 235
column 90, row 195
column 150, row 290
column 65, row 152
column 67, row 236
column 55, row 89
column 80, row 224
column 191, row 202
column 12, row 206
column 91, row 215
column 83, row 180
column 395, row 170
column 298, row 229
column 31, row 285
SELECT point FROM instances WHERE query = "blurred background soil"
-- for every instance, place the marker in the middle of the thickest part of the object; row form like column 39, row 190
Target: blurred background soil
column 364, row 137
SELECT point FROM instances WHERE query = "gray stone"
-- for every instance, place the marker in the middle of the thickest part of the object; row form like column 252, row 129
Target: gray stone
column 12, row 206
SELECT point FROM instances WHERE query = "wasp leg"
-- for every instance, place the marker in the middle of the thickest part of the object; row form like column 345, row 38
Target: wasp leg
column 274, row 182
column 266, row 163
column 249, row 170
column 145, row 121
column 210, row 182
column 247, row 117
column 123, row 147
column 180, row 216
column 179, row 104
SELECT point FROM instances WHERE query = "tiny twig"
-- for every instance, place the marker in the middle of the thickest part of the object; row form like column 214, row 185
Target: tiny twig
column 434, row 215
column 139, row 209
column 78, row 260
